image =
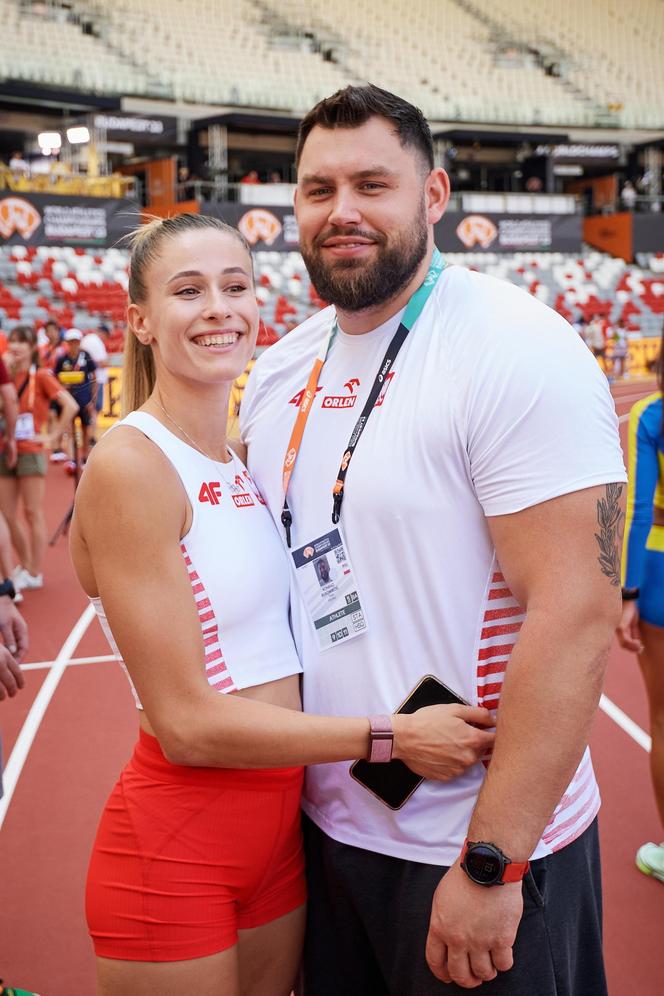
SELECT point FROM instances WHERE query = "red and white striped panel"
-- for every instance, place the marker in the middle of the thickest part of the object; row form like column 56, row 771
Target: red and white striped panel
column 216, row 670
column 576, row 810
column 502, row 621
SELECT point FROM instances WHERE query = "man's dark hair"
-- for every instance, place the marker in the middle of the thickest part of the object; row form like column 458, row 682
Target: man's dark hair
column 355, row 105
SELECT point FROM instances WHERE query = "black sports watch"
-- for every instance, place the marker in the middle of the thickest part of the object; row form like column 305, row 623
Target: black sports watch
column 485, row 864
column 7, row 588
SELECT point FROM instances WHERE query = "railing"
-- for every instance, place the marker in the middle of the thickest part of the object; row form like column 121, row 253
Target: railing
column 62, row 182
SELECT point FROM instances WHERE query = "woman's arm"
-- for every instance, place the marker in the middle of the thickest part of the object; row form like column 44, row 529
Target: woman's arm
column 143, row 582
column 68, row 409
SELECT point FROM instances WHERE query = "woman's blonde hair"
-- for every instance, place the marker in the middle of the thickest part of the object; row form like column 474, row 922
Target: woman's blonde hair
column 139, row 372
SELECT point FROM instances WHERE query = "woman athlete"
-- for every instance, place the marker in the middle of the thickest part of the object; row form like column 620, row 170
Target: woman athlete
column 642, row 625
column 196, row 878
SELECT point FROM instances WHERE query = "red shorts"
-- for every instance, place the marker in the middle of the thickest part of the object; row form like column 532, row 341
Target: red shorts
column 185, row 857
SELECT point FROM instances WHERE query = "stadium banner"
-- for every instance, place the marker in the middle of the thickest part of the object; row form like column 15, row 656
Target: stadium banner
column 647, row 232
column 276, row 228
column 58, row 220
column 458, row 231
column 272, row 228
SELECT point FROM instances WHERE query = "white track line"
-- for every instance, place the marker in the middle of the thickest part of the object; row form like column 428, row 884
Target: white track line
column 625, row 723
column 41, row 665
column 33, row 720
column 623, row 418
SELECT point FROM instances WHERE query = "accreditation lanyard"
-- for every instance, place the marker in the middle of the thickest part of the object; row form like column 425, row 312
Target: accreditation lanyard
column 413, row 311
column 29, row 380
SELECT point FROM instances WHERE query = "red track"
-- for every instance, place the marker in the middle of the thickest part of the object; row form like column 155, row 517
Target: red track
column 87, row 733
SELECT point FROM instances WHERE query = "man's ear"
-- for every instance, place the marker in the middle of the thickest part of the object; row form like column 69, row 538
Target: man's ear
column 437, row 193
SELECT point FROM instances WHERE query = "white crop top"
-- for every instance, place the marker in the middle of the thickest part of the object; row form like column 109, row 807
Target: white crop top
column 237, row 567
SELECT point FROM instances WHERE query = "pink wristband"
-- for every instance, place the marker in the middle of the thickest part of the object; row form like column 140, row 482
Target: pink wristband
column 381, row 739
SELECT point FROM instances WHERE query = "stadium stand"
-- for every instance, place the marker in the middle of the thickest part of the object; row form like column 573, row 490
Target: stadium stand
column 84, row 289
column 596, row 63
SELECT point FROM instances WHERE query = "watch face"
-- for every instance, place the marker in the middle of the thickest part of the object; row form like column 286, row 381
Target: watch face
column 484, row 864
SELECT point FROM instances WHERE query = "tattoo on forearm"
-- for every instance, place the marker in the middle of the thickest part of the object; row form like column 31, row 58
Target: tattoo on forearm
column 610, row 517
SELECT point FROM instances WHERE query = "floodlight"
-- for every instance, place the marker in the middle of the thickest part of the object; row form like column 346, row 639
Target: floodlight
column 49, row 141
column 78, row 135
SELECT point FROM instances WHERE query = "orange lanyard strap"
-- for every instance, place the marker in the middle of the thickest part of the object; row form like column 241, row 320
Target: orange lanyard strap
column 29, row 380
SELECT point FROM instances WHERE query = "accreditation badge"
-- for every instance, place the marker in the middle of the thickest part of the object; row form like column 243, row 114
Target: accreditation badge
column 25, row 427
column 329, row 589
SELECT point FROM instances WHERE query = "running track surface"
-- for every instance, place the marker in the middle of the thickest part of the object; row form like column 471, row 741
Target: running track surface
column 87, row 733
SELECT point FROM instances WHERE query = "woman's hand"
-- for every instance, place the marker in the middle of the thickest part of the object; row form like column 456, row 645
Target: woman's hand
column 628, row 633
column 441, row 741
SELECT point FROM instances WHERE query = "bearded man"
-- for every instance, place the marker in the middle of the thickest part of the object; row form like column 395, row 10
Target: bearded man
column 471, row 492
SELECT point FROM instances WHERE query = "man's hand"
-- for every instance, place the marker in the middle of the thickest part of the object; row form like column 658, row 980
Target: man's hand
column 11, row 676
column 472, row 929
column 10, row 452
column 627, row 632
column 13, row 628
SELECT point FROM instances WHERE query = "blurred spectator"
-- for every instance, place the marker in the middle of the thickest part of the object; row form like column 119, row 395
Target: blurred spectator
column 24, row 480
column 76, row 370
column 628, row 195
column 52, row 349
column 275, row 176
column 94, row 344
column 251, row 177
column 620, row 350
column 595, row 340
column 18, row 165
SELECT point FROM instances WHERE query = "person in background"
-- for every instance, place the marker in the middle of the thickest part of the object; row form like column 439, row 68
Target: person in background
column 641, row 628
column 628, row 195
column 51, row 349
column 619, row 351
column 23, row 482
column 595, row 340
column 251, row 177
column 94, row 344
column 77, row 371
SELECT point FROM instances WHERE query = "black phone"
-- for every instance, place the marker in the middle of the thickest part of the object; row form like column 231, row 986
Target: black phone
column 393, row 783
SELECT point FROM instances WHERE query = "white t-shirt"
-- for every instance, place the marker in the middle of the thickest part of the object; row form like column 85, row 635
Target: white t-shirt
column 94, row 346
column 494, row 405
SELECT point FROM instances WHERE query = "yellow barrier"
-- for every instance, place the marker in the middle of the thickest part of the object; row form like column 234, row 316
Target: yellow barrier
column 110, row 413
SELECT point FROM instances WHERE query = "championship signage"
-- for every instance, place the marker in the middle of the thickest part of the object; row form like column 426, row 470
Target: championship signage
column 579, row 151
column 263, row 227
column 58, row 220
column 134, row 128
column 276, row 228
column 461, row 232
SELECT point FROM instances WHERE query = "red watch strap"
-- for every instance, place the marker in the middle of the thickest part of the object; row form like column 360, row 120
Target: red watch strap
column 515, row 871
column 381, row 739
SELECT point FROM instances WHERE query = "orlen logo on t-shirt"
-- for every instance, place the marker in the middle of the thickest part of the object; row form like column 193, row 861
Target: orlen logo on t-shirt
column 241, row 497
column 474, row 229
column 18, row 215
column 342, row 400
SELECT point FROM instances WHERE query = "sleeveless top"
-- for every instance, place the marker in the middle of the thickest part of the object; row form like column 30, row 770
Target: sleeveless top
column 237, row 567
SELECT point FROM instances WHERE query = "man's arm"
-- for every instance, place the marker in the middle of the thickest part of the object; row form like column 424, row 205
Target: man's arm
column 561, row 559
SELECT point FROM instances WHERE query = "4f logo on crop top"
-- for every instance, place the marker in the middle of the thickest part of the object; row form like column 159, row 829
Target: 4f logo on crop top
column 210, row 492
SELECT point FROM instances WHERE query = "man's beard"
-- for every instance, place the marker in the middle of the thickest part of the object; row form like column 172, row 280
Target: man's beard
column 357, row 285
